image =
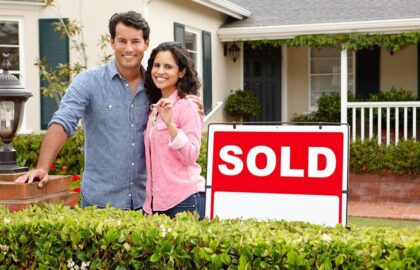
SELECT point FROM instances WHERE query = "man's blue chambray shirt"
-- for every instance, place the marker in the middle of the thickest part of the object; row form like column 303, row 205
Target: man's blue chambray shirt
column 114, row 122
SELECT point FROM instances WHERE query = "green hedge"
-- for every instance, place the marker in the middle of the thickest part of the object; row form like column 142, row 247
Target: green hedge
column 366, row 156
column 58, row 237
column 70, row 159
column 369, row 156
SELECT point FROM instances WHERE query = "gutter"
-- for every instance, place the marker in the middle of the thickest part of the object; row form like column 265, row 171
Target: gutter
column 225, row 7
column 291, row 31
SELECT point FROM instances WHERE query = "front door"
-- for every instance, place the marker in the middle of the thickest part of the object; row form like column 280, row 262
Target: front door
column 262, row 76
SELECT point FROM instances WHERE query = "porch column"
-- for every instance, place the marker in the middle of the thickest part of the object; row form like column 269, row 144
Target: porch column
column 344, row 87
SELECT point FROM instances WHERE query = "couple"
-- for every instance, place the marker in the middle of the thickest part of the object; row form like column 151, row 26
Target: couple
column 142, row 129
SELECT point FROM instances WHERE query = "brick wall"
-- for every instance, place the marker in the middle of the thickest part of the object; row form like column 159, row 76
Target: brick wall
column 384, row 188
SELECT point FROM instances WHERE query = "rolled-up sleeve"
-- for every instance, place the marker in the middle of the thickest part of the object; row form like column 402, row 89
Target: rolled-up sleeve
column 188, row 140
column 73, row 104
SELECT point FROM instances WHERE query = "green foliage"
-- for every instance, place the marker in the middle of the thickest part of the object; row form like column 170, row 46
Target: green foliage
column 329, row 106
column 393, row 95
column 351, row 41
column 369, row 156
column 242, row 105
column 202, row 159
column 366, row 156
column 58, row 237
column 70, row 159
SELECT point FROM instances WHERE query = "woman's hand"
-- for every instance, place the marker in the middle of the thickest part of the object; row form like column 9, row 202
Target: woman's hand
column 165, row 109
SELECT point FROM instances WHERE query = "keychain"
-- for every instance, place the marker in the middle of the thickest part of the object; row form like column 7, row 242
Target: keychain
column 153, row 115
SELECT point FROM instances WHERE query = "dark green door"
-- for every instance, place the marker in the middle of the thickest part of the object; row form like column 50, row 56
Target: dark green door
column 262, row 76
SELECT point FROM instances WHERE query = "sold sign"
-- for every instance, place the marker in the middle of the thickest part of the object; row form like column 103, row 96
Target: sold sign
column 278, row 172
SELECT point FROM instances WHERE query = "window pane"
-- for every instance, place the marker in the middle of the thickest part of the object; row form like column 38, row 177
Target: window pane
column 190, row 41
column 14, row 57
column 325, row 52
column 9, row 33
column 325, row 68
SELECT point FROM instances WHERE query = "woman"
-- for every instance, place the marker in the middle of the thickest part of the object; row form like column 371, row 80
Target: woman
column 173, row 134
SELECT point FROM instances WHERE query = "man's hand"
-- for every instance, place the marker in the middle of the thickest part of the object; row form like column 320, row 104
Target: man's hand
column 37, row 174
column 197, row 100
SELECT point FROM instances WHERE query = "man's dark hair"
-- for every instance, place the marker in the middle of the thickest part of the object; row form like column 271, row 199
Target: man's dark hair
column 129, row 18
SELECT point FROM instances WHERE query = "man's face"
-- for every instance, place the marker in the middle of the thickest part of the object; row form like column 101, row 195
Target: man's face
column 129, row 47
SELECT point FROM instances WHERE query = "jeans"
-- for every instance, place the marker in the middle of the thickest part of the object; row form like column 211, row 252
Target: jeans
column 195, row 202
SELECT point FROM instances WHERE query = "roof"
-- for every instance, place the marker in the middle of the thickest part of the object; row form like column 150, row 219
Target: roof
column 226, row 7
column 270, row 18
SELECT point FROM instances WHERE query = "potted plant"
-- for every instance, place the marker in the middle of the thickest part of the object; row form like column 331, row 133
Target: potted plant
column 242, row 105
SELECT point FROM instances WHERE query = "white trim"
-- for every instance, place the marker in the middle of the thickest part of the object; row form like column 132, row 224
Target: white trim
column 199, row 51
column 344, row 88
column 291, row 31
column 225, row 7
column 284, row 85
column 23, row 3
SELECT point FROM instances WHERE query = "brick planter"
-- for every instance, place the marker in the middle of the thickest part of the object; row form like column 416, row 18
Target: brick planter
column 371, row 187
column 19, row 196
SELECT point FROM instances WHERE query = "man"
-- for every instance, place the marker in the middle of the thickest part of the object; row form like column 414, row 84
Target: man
column 112, row 102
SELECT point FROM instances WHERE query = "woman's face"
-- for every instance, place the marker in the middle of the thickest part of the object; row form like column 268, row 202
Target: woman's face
column 165, row 71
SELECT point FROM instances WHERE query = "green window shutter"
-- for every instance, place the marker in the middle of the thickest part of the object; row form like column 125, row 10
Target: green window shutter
column 54, row 49
column 207, row 76
column 179, row 33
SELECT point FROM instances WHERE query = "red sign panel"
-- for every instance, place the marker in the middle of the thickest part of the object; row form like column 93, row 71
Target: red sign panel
column 292, row 165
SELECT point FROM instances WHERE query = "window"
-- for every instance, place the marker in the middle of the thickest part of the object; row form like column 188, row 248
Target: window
column 193, row 45
column 10, row 42
column 198, row 44
column 325, row 73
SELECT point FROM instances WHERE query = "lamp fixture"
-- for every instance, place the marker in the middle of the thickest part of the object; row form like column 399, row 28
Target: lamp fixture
column 12, row 101
column 234, row 52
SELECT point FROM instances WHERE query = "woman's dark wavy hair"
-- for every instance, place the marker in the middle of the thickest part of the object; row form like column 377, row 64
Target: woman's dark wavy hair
column 189, row 84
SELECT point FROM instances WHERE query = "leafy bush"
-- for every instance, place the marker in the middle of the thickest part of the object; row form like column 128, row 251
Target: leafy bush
column 70, row 159
column 369, row 156
column 366, row 156
column 62, row 238
column 242, row 105
column 329, row 106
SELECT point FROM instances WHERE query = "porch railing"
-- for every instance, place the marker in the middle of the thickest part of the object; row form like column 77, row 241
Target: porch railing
column 213, row 111
column 363, row 116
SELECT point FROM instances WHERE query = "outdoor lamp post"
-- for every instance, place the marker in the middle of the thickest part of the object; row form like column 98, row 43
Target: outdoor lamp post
column 12, row 101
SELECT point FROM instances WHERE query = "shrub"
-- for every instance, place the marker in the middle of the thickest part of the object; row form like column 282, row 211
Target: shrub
column 242, row 105
column 329, row 106
column 366, row 156
column 62, row 238
column 70, row 159
column 369, row 156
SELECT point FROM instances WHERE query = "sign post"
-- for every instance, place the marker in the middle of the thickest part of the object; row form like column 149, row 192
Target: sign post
column 290, row 172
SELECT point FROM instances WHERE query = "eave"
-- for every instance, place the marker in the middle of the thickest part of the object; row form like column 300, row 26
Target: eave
column 225, row 7
column 291, row 31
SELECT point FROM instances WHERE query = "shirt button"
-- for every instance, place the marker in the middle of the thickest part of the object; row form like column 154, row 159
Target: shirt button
column 132, row 144
column 126, row 84
column 131, row 183
column 129, row 194
column 132, row 164
column 132, row 105
column 110, row 106
column 132, row 125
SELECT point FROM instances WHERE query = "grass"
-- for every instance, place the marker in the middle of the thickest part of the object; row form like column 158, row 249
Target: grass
column 378, row 222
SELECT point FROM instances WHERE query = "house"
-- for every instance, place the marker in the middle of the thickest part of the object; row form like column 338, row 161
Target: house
column 286, row 79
